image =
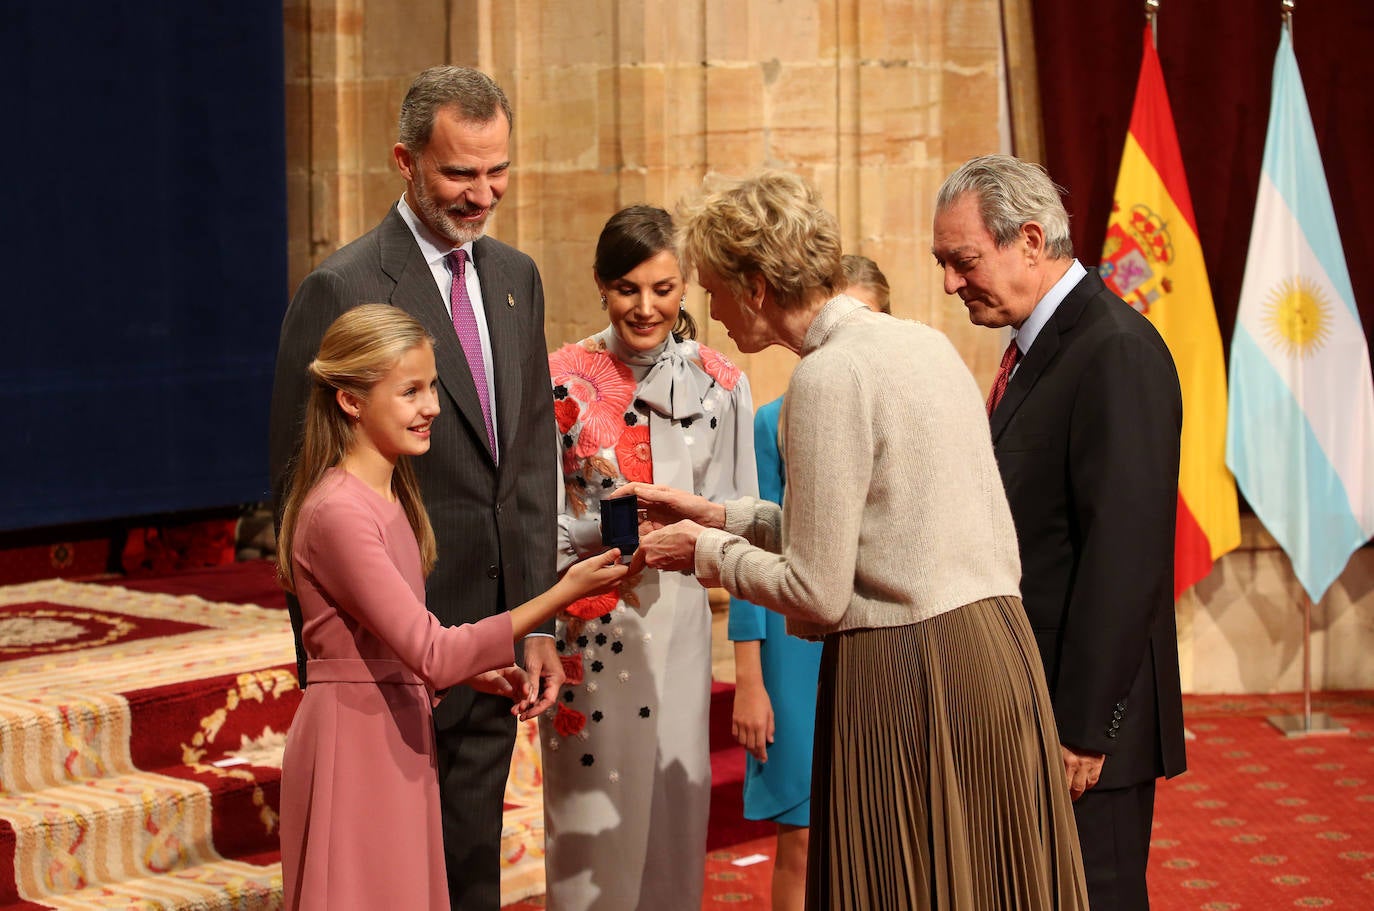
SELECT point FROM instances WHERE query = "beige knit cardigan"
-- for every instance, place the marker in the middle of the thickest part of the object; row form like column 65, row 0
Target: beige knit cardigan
column 894, row 510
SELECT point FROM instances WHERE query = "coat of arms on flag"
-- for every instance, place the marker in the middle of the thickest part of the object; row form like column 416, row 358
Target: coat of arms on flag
column 1137, row 251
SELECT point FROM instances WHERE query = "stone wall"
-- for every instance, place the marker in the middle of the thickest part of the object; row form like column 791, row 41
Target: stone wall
column 1240, row 630
column 623, row 102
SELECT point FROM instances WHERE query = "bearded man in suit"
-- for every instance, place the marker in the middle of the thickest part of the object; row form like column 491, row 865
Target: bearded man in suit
column 1085, row 418
column 489, row 478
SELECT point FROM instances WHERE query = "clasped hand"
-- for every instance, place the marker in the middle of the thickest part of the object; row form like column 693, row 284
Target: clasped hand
column 1082, row 768
column 511, row 682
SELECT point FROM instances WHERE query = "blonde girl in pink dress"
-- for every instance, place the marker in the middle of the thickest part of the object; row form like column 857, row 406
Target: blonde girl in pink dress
column 360, row 826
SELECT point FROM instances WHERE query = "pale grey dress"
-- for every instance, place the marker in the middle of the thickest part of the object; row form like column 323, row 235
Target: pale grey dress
column 626, row 749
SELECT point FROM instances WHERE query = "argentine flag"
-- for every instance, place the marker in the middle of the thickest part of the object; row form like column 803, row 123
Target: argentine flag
column 1300, row 429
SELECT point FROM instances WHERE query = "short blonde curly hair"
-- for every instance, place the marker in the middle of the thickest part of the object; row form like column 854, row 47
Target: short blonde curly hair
column 772, row 225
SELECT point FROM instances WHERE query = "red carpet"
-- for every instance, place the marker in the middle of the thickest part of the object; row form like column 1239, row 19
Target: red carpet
column 1259, row 821
column 1262, row 821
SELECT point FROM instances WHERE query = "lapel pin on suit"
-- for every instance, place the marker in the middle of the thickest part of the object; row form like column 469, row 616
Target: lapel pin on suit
column 510, row 299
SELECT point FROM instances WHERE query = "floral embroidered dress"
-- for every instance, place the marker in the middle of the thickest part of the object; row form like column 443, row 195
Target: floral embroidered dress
column 627, row 771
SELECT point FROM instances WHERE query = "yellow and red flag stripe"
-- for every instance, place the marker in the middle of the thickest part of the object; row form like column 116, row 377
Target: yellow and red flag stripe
column 1152, row 258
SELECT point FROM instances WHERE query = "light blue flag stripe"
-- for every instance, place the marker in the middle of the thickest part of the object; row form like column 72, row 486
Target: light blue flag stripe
column 1293, row 488
column 1294, row 165
column 1300, row 429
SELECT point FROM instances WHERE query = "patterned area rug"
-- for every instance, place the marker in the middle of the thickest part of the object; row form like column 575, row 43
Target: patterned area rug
column 141, row 735
column 140, row 741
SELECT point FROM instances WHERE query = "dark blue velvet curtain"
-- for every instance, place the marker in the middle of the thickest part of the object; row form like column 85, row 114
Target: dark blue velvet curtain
column 143, row 256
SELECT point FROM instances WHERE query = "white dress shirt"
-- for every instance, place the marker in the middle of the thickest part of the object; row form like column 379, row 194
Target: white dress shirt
column 435, row 251
column 1025, row 336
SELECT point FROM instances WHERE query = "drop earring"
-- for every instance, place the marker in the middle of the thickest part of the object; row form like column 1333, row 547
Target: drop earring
column 603, row 302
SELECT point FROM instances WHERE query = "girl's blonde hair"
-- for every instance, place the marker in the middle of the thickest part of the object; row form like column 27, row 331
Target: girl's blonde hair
column 862, row 272
column 358, row 349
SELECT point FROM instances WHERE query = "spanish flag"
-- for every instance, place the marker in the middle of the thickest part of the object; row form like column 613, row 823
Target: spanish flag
column 1153, row 260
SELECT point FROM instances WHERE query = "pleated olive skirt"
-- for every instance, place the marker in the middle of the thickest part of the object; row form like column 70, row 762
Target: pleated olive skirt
column 938, row 780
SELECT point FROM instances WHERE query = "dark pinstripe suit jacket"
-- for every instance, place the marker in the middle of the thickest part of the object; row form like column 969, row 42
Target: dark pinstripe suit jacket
column 1087, row 440
column 495, row 526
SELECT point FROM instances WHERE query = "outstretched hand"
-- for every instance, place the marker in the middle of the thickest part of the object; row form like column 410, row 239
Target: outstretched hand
column 661, row 505
column 673, row 547
column 596, row 574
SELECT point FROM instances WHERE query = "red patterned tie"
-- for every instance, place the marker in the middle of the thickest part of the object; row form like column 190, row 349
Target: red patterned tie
column 465, row 324
column 999, row 385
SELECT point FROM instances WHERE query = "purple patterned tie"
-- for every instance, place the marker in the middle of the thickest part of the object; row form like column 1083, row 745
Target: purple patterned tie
column 465, row 324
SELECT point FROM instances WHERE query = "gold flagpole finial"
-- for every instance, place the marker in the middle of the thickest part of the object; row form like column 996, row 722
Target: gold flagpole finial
column 1288, row 14
column 1151, row 12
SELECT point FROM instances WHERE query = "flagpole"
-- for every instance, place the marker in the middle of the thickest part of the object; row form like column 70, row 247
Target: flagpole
column 1290, row 392
column 1308, row 723
column 1152, row 17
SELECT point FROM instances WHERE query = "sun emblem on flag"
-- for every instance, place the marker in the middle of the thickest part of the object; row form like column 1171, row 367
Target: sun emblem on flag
column 1297, row 316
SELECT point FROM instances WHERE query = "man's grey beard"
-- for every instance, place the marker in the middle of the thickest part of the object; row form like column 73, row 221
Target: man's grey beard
column 445, row 224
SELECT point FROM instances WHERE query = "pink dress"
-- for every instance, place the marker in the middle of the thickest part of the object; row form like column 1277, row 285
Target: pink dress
column 360, row 822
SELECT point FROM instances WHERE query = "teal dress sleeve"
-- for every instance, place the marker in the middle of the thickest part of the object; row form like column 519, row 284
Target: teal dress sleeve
column 747, row 620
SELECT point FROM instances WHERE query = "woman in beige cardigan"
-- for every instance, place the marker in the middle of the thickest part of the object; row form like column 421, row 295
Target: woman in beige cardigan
column 937, row 776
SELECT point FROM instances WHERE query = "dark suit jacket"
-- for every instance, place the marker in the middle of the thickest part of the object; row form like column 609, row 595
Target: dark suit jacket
column 495, row 527
column 1087, row 440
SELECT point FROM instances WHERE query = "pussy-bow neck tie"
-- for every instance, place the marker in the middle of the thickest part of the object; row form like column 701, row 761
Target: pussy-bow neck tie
column 672, row 388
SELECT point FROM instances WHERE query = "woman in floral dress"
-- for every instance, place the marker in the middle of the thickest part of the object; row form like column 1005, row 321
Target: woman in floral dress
column 626, row 752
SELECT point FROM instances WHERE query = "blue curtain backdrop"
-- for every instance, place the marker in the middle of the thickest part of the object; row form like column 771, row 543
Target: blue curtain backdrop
column 143, row 256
